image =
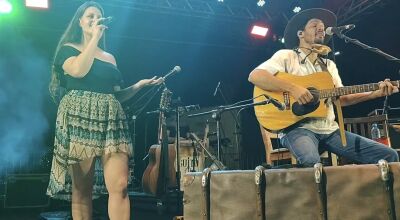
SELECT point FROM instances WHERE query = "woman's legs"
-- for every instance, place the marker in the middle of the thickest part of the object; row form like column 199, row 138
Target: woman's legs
column 82, row 186
column 116, row 178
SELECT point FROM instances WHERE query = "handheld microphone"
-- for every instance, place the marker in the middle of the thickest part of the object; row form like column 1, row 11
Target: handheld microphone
column 105, row 21
column 335, row 30
column 216, row 89
column 280, row 106
column 176, row 69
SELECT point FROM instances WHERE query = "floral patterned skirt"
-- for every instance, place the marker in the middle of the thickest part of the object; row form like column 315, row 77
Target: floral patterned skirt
column 88, row 125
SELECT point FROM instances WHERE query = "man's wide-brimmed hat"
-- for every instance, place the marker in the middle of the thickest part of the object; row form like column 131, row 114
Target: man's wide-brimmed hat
column 299, row 20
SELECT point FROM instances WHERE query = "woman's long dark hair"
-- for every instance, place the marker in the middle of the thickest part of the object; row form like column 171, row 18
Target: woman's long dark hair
column 73, row 34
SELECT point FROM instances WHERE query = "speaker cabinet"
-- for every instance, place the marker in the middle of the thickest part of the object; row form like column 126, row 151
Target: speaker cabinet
column 26, row 190
column 145, row 206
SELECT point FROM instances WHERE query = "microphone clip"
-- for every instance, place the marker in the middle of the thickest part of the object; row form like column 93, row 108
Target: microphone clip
column 269, row 100
column 338, row 30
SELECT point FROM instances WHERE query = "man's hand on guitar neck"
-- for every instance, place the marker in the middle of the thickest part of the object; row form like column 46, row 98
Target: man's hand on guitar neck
column 385, row 88
column 301, row 94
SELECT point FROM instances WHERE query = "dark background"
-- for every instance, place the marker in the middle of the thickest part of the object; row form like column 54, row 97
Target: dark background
column 151, row 40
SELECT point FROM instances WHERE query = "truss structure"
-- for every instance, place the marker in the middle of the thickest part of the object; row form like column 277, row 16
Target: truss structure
column 352, row 9
column 239, row 10
column 242, row 12
column 195, row 8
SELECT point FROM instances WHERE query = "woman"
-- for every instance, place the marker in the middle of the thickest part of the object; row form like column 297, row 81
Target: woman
column 90, row 120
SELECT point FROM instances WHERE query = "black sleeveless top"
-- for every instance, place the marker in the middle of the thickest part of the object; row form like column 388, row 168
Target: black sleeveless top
column 101, row 78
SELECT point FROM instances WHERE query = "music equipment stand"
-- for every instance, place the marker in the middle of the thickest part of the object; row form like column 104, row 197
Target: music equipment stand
column 216, row 115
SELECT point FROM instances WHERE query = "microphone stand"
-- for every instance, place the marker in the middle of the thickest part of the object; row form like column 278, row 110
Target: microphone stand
column 238, row 130
column 131, row 162
column 216, row 114
column 365, row 46
column 386, row 106
column 218, row 165
column 178, row 134
column 389, row 57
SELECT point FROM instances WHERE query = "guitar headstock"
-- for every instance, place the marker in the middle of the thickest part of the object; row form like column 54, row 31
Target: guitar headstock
column 206, row 131
column 165, row 100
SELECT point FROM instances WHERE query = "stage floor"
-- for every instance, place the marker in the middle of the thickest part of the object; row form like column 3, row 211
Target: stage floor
column 143, row 207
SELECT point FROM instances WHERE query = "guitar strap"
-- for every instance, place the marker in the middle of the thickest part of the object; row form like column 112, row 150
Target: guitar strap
column 337, row 105
column 286, row 69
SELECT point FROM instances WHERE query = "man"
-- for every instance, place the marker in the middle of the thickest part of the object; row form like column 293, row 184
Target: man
column 306, row 139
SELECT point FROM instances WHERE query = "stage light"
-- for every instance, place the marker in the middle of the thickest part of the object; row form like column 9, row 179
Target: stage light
column 259, row 31
column 220, row 0
column 37, row 3
column 337, row 53
column 282, row 40
column 5, row 7
column 261, row 3
column 296, row 9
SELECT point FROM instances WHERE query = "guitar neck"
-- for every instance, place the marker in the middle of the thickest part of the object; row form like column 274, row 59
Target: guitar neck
column 346, row 90
column 161, row 120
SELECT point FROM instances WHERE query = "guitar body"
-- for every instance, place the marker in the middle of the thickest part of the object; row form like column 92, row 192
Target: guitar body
column 275, row 120
column 151, row 175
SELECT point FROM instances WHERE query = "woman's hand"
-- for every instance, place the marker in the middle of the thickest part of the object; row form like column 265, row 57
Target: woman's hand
column 151, row 82
column 127, row 93
column 98, row 28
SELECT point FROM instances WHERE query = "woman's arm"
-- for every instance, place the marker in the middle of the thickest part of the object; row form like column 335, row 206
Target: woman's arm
column 125, row 94
column 79, row 66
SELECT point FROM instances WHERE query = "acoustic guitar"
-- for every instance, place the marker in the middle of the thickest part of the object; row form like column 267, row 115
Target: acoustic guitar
column 160, row 173
column 321, row 87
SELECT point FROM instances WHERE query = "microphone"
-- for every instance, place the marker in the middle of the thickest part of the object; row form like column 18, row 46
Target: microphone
column 176, row 69
column 336, row 30
column 105, row 21
column 216, row 89
column 280, row 106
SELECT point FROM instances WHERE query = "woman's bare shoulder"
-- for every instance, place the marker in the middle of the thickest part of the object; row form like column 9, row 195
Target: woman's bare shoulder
column 108, row 57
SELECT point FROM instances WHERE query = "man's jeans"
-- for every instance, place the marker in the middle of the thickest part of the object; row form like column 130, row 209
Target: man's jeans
column 306, row 146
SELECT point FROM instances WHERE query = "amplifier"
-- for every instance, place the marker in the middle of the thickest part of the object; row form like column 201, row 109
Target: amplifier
column 145, row 206
column 393, row 119
column 26, row 190
column 393, row 113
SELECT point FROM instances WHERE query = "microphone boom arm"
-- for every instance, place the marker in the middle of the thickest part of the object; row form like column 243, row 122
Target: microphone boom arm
column 366, row 47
